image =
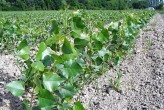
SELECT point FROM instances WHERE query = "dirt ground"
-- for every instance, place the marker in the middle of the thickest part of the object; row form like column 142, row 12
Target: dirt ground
column 8, row 72
column 142, row 83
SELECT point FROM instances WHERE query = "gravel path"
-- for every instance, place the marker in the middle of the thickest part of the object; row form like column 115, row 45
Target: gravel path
column 142, row 83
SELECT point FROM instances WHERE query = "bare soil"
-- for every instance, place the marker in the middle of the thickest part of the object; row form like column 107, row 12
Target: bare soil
column 8, row 72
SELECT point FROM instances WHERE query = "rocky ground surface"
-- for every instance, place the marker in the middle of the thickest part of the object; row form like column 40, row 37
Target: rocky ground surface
column 142, row 83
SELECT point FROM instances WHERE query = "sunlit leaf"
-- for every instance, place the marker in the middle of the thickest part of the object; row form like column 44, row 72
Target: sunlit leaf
column 24, row 50
column 38, row 66
column 16, row 88
column 42, row 48
column 51, row 81
column 78, row 106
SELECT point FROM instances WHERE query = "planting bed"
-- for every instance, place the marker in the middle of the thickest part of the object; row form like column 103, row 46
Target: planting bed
column 141, row 86
column 142, row 83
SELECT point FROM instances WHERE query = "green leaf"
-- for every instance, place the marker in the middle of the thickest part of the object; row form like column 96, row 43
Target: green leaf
column 106, row 57
column 113, row 26
column 86, row 56
column 55, row 47
column 75, row 33
column 42, row 48
column 49, row 41
column 80, row 43
column 68, row 91
column 24, row 53
column 103, row 36
column 22, row 44
column 51, row 81
column 57, row 59
column 67, row 57
column 16, row 88
column 71, row 69
column 81, row 61
column 38, row 83
column 24, row 50
column 98, row 61
column 26, row 106
column 67, row 48
column 54, row 27
column 84, row 36
column 38, row 66
column 46, row 108
column 78, row 23
column 104, row 54
column 64, row 106
column 78, row 106
column 45, row 99
column 97, row 45
column 48, row 60
column 79, row 34
column 100, row 25
column 116, row 60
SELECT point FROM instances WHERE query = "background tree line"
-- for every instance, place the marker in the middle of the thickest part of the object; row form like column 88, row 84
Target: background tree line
column 6, row 5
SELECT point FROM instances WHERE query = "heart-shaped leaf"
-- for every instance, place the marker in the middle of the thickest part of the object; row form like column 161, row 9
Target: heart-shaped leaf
column 71, row 69
column 51, row 81
column 24, row 53
column 48, row 60
column 38, row 66
column 103, row 36
column 16, row 88
column 68, row 91
column 24, row 50
column 67, row 48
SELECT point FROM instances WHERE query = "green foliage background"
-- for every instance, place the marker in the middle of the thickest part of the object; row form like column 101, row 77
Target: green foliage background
column 16, row 5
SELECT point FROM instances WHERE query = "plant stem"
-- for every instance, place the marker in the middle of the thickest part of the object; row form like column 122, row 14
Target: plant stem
column 32, row 94
column 32, row 97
